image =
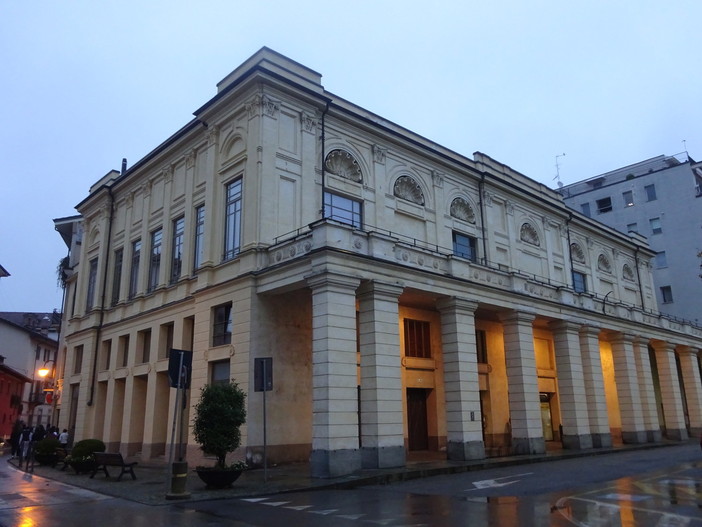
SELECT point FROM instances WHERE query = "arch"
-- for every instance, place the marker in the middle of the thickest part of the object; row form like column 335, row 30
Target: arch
column 407, row 188
column 576, row 253
column 460, row 208
column 627, row 273
column 603, row 263
column 343, row 164
column 232, row 145
column 528, row 234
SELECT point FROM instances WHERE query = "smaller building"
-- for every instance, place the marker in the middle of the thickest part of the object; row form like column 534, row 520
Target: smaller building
column 12, row 385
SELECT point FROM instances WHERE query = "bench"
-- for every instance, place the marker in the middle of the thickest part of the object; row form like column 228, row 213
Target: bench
column 108, row 459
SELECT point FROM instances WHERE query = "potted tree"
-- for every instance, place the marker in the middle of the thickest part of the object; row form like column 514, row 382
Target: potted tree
column 81, row 458
column 46, row 451
column 218, row 418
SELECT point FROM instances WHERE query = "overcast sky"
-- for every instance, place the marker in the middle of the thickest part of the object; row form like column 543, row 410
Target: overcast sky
column 86, row 83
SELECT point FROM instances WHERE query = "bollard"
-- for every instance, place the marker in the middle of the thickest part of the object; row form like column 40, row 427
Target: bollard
column 179, row 481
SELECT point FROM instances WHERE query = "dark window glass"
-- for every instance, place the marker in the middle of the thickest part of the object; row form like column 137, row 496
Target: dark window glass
column 417, row 339
column 155, row 261
column 222, row 325
column 177, row 249
column 117, row 276
column 650, row 192
column 232, row 220
column 604, row 205
column 579, row 282
column 92, row 281
column 199, row 236
column 134, row 271
column 342, row 209
column 464, row 246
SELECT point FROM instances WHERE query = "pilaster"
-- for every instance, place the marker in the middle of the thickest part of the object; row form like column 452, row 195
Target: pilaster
column 593, row 381
column 673, row 412
column 647, row 390
column 689, row 366
column 633, row 430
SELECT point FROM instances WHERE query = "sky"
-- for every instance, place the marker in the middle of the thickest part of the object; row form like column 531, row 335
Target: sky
column 86, row 83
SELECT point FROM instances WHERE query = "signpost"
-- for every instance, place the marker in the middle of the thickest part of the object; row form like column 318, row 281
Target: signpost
column 180, row 365
column 263, row 382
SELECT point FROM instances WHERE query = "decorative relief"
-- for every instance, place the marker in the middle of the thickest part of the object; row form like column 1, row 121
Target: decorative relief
column 627, row 273
column 212, row 135
column 270, row 107
column 528, row 234
column 167, row 174
column 190, row 159
column 309, row 122
column 343, row 164
column 252, row 106
column 379, row 154
column 487, row 198
column 407, row 188
column 509, row 207
column 437, row 178
column 462, row 210
column 603, row 263
column 576, row 253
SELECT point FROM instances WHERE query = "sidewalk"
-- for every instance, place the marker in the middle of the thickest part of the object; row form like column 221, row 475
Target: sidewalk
column 153, row 479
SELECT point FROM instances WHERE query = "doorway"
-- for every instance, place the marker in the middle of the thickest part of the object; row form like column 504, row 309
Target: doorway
column 417, row 428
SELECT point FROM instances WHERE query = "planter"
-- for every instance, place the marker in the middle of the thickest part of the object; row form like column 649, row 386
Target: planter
column 46, row 459
column 215, row 478
column 83, row 467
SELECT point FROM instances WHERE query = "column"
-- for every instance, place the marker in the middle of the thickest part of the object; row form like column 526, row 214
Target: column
column 461, row 381
column 335, row 449
column 647, row 390
column 633, row 430
column 673, row 412
column 571, row 386
column 382, row 427
column 522, row 382
column 593, row 380
column 693, row 390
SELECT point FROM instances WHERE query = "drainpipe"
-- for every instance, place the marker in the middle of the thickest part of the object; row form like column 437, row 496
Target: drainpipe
column 324, row 114
column 98, row 334
column 638, row 276
column 570, row 256
column 481, row 186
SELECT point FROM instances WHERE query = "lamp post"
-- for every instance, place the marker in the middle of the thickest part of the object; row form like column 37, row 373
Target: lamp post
column 44, row 372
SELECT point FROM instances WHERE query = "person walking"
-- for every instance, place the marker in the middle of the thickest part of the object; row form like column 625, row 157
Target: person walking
column 63, row 439
column 25, row 443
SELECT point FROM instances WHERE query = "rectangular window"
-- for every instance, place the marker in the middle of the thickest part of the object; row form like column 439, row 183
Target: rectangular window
column 155, row 260
column 117, row 276
column 78, row 359
column 177, row 249
column 579, row 282
column 123, row 351
column 604, row 205
column 165, row 340
column 481, row 346
column 219, row 372
column 585, row 208
column 661, row 260
column 667, row 294
column 199, row 236
column 144, row 345
column 464, row 246
column 342, row 209
column 632, row 227
column 417, row 339
column 232, row 220
column 656, row 227
column 106, row 354
column 222, row 325
column 134, row 269
column 92, row 281
column 628, row 198
column 650, row 192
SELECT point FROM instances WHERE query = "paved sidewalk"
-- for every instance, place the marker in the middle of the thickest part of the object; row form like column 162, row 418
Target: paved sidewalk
column 153, row 481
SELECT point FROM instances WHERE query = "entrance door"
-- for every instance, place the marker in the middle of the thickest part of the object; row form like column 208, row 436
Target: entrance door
column 417, row 430
column 546, row 421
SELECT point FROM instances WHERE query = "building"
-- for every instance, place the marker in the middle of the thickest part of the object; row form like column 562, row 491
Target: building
column 28, row 342
column 410, row 299
column 12, row 385
column 657, row 198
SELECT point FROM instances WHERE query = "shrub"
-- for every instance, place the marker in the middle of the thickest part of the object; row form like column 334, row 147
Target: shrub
column 47, row 446
column 86, row 448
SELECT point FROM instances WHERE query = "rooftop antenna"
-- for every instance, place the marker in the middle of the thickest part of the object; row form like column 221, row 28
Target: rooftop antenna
column 558, row 171
column 684, row 142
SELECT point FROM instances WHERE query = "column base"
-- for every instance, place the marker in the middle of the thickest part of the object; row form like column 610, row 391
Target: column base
column 601, row 440
column 525, row 445
column 655, row 436
column 333, row 463
column 577, row 442
column 464, row 451
column 383, row 457
column 676, row 434
column 634, row 438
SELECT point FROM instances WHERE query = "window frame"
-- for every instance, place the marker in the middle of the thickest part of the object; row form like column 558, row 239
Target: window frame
column 666, row 294
column 603, row 208
column 92, row 284
column 198, row 237
column 656, row 225
column 155, row 259
column 650, row 192
column 134, row 268
column 461, row 241
column 177, row 243
column 585, row 209
column 233, row 197
column 117, row 275
column 417, row 338
column 628, row 197
column 579, row 285
column 352, row 216
column 222, row 324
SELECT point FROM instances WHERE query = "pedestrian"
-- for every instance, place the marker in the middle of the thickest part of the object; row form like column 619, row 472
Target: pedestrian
column 15, row 438
column 25, row 442
column 39, row 433
column 63, row 439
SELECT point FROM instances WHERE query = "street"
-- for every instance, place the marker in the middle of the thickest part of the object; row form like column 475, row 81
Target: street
column 657, row 487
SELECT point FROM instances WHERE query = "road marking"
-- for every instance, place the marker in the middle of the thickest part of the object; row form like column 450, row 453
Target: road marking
column 493, row 483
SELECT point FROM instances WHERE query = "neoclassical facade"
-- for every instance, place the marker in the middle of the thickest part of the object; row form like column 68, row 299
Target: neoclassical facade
column 411, row 299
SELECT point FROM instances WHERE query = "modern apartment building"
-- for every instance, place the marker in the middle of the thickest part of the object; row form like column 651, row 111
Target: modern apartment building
column 411, row 299
column 658, row 198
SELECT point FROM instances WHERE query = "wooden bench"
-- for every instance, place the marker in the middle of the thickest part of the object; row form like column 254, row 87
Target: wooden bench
column 108, row 459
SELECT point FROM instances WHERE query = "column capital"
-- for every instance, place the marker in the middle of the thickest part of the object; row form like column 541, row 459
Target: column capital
column 516, row 316
column 619, row 336
column 686, row 350
column 663, row 346
column 455, row 303
column 331, row 279
column 564, row 325
column 590, row 331
column 377, row 287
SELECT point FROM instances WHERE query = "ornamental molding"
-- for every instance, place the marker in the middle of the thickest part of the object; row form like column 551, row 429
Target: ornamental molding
column 487, row 198
column 407, row 188
column 528, row 234
column 308, row 122
column 627, row 273
column 342, row 164
column 603, row 263
column 270, row 106
column 437, row 178
column 379, row 154
column 190, row 159
column 212, row 135
column 576, row 253
column 462, row 210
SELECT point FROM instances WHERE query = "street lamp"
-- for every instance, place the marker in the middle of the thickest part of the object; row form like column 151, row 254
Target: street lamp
column 44, row 372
